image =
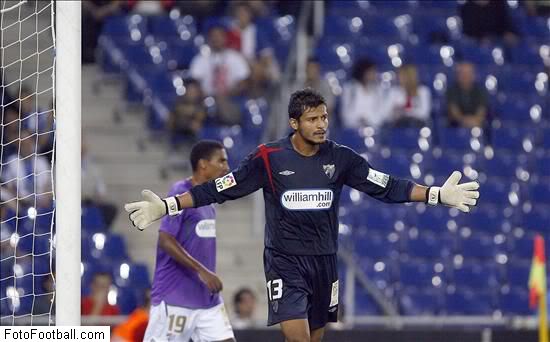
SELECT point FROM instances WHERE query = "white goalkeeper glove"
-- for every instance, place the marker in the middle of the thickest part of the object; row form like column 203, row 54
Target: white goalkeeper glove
column 143, row 213
column 452, row 194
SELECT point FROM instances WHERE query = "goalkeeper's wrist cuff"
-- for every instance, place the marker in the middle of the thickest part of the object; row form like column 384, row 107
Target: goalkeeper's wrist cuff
column 433, row 195
column 172, row 205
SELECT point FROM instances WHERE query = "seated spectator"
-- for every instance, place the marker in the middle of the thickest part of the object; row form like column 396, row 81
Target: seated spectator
column 94, row 13
column 485, row 19
column 93, row 189
column 244, row 303
column 97, row 304
column 28, row 175
column 466, row 100
column 363, row 98
column 242, row 34
column 315, row 81
column 149, row 7
column 189, row 112
column 222, row 73
column 133, row 329
column 410, row 103
column 538, row 7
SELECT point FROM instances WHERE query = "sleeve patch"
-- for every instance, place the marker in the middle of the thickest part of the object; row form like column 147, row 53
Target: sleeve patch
column 225, row 182
column 378, row 178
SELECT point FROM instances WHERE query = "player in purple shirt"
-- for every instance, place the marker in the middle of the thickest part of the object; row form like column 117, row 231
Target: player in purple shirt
column 185, row 296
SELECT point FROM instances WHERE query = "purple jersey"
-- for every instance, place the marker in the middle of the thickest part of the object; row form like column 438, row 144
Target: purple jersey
column 195, row 231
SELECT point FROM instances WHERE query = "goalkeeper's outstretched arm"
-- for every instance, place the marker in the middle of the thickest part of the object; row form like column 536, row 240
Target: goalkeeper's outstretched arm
column 247, row 178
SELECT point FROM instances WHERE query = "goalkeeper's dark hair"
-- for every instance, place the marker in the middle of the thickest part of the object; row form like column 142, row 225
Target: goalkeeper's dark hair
column 302, row 100
column 204, row 149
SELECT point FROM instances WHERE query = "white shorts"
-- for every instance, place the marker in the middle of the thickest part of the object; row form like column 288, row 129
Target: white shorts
column 174, row 323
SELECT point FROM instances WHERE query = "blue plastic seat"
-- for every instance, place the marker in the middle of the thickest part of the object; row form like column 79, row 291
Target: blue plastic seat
column 122, row 27
column 477, row 276
column 517, row 272
column 540, row 192
column 92, row 219
column 432, row 220
column 126, row 300
column 137, row 276
column 455, row 138
column 349, row 137
column 521, row 247
column 378, row 272
column 374, row 247
column 428, row 247
column 468, row 303
column 515, row 109
column 478, row 247
column 526, row 53
column 183, row 27
column 365, row 304
column 484, row 220
column 494, row 191
column 511, row 138
column 515, row 303
column 418, row 303
column 413, row 274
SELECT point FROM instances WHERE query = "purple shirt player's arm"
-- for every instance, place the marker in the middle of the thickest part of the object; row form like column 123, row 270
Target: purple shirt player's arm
column 374, row 183
column 247, row 178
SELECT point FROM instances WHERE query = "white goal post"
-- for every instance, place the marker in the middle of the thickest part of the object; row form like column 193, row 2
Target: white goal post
column 67, row 178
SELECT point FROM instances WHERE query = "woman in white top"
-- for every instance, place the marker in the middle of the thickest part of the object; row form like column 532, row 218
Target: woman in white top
column 410, row 103
column 363, row 98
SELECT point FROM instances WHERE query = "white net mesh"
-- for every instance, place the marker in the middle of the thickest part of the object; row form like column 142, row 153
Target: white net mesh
column 26, row 162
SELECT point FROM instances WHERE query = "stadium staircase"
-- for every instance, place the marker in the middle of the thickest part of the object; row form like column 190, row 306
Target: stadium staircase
column 129, row 164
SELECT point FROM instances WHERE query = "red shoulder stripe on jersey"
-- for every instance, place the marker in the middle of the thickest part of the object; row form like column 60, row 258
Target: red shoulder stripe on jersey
column 264, row 152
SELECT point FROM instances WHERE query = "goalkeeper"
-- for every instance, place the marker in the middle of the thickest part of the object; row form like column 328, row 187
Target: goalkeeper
column 302, row 176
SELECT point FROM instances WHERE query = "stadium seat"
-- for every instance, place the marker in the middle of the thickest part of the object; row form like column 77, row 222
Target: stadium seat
column 419, row 303
column 119, row 27
column 364, row 303
column 515, row 109
column 468, row 303
column 428, row 247
column 495, row 192
column 515, row 302
column 182, row 27
column 478, row 247
column 131, row 275
column 476, row 276
column 484, row 220
column 377, row 272
column 417, row 275
column 431, row 220
column 521, row 247
column 375, row 247
column 517, row 272
column 511, row 138
column 92, row 219
column 455, row 138
column 540, row 192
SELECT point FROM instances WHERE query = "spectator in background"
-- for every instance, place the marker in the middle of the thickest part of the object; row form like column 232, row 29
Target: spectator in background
column 466, row 100
column 410, row 103
column 149, row 7
column 201, row 9
column 133, row 329
column 97, row 304
column 94, row 13
column 36, row 119
column 363, row 98
column 485, row 19
column 538, row 7
column 93, row 189
column 242, row 34
column 28, row 175
column 222, row 73
column 315, row 81
column 244, row 303
column 9, row 134
column 186, row 120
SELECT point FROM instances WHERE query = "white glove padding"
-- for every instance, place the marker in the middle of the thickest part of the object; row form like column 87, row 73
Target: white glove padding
column 143, row 213
column 452, row 194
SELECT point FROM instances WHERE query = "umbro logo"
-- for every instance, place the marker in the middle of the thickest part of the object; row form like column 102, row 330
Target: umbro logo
column 286, row 173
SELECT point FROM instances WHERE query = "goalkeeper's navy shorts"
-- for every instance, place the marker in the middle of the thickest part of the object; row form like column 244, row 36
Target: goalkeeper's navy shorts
column 301, row 287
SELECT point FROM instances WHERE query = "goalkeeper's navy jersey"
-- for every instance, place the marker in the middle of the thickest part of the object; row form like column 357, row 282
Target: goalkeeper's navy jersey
column 302, row 193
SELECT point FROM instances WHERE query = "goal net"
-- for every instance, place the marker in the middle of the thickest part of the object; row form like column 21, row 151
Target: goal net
column 27, row 158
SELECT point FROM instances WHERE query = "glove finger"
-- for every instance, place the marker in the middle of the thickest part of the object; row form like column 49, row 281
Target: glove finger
column 470, row 201
column 142, row 223
column 469, row 186
column 130, row 207
column 471, row 194
column 149, row 196
column 464, row 208
column 135, row 214
column 453, row 179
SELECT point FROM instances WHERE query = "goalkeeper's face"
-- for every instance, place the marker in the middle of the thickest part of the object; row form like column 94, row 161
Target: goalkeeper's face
column 312, row 125
column 217, row 165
